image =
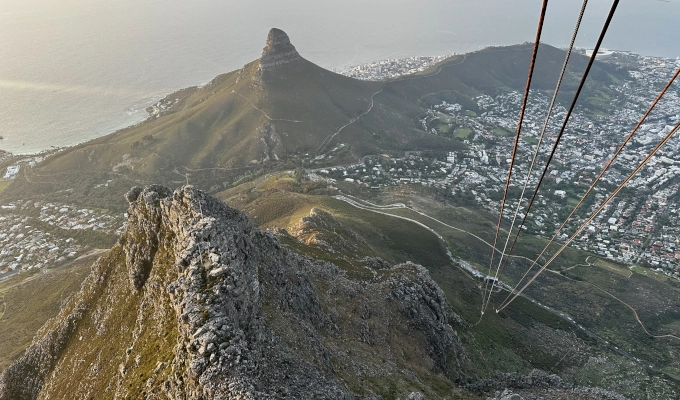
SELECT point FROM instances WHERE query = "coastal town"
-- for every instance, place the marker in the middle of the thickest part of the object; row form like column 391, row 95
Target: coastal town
column 640, row 226
column 37, row 235
column 391, row 68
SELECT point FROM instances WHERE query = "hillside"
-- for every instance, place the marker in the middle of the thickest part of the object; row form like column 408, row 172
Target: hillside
column 283, row 112
column 586, row 330
column 269, row 114
column 332, row 268
column 196, row 303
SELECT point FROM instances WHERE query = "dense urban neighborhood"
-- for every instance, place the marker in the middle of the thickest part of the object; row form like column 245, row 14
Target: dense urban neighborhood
column 44, row 235
column 641, row 225
column 391, row 68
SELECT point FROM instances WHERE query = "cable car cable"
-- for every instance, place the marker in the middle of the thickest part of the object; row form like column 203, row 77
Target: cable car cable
column 514, row 150
column 504, row 255
column 593, row 215
column 592, row 186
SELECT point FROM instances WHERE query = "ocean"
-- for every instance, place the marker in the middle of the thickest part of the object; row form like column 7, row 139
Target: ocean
column 74, row 70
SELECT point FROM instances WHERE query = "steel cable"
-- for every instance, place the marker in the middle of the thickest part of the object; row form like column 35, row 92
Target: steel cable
column 589, row 219
column 514, row 150
column 504, row 255
column 564, row 125
column 592, row 185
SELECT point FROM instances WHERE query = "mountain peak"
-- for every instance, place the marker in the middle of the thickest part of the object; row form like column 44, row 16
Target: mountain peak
column 278, row 50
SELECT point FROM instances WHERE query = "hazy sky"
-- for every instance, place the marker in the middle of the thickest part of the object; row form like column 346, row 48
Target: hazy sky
column 74, row 69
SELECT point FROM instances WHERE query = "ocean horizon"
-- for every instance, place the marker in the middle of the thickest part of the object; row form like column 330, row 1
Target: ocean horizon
column 74, row 70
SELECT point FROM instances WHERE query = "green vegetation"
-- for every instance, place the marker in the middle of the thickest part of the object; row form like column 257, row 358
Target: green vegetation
column 498, row 131
column 444, row 129
column 613, row 268
column 503, row 337
column 226, row 138
column 114, row 313
column 651, row 274
column 462, row 133
column 27, row 306
column 4, row 185
column 530, row 140
column 220, row 133
column 470, row 113
column 572, row 202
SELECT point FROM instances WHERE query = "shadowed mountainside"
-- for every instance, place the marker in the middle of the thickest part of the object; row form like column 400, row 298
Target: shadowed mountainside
column 283, row 112
column 194, row 302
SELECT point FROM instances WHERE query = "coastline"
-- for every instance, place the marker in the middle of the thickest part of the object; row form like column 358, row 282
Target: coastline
column 141, row 111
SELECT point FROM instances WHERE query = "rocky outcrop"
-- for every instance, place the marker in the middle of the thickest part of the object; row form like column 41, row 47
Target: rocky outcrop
column 269, row 142
column 24, row 379
column 423, row 303
column 320, row 228
column 278, row 51
column 537, row 385
column 196, row 303
column 143, row 228
column 225, row 264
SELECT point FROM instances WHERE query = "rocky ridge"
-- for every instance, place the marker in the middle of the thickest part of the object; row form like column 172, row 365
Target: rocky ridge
column 537, row 385
column 278, row 50
column 322, row 229
column 196, row 303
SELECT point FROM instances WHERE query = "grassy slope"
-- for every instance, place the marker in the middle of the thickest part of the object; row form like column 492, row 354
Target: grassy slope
column 500, row 340
column 496, row 69
column 26, row 307
column 116, row 317
column 397, row 241
column 521, row 338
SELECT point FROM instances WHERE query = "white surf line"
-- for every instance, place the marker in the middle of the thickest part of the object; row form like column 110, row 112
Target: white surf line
column 263, row 112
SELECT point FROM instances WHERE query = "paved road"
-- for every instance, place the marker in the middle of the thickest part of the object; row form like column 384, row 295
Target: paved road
column 381, row 210
column 382, row 87
column 353, row 120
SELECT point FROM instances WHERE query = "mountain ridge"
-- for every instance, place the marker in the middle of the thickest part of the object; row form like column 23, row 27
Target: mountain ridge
column 194, row 302
column 287, row 114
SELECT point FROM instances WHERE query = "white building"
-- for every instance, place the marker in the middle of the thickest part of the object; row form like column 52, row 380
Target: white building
column 12, row 172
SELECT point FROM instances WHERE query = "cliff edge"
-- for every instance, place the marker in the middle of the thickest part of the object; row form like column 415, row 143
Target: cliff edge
column 196, row 303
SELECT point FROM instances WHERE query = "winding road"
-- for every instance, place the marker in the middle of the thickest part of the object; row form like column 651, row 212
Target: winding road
column 637, row 317
column 382, row 87
column 365, row 205
column 353, row 120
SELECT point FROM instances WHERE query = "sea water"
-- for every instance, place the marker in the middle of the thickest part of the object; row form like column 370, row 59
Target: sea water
column 73, row 70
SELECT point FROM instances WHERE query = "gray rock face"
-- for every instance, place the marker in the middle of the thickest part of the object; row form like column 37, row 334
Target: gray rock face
column 142, row 234
column 269, row 142
column 537, row 385
column 224, row 264
column 250, row 319
column 278, row 50
column 423, row 303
